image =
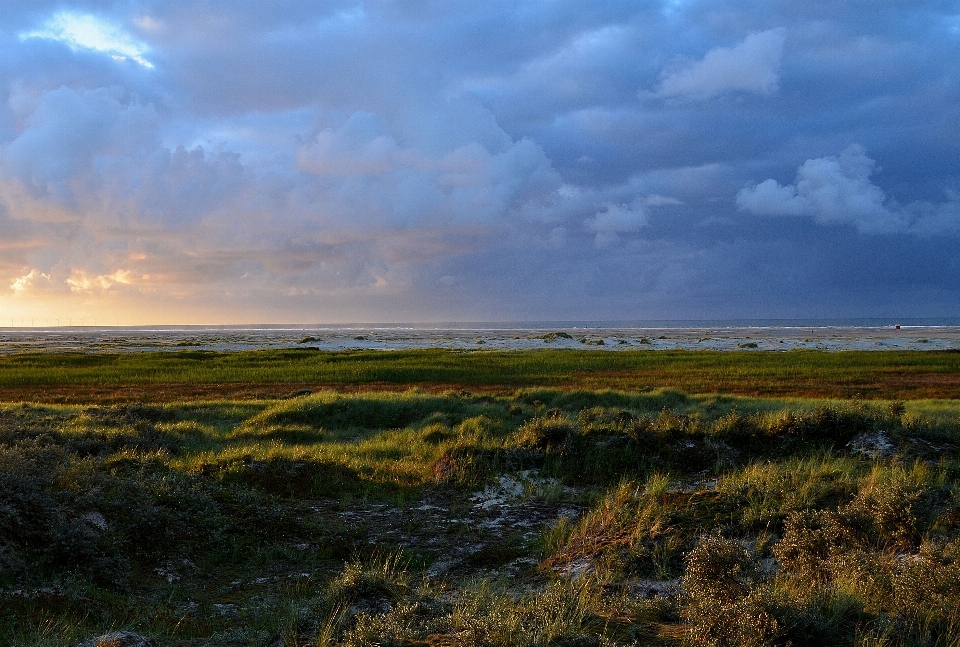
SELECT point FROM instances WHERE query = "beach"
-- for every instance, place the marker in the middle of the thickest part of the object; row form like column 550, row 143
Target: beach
column 478, row 337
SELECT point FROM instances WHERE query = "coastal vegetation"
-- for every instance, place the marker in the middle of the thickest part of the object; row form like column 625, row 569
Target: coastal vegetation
column 76, row 377
column 483, row 498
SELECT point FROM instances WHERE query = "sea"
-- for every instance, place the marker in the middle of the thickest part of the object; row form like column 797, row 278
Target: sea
column 607, row 336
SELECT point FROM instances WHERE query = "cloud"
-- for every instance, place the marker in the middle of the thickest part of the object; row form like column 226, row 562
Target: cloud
column 355, row 206
column 80, row 281
column 752, row 66
column 937, row 218
column 63, row 138
column 614, row 220
column 835, row 190
column 32, row 281
column 657, row 200
column 338, row 160
column 85, row 31
column 364, row 176
column 769, row 198
column 173, row 187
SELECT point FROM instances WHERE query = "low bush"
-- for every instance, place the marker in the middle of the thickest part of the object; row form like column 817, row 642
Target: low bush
column 551, row 433
column 722, row 602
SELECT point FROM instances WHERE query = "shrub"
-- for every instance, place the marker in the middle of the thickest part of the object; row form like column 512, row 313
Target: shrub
column 285, row 477
column 926, row 588
column 379, row 575
column 826, row 424
column 719, row 570
column 810, row 538
column 548, row 434
column 402, row 626
column 469, row 465
column 721, row 601
column 605, row 422
column 736, row 426
column 885, row 510
column 552, row 336
column 670, row 425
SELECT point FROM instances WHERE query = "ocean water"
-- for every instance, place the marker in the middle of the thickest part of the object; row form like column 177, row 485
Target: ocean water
column 742, row 334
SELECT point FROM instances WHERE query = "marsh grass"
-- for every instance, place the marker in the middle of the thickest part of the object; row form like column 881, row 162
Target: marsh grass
column 162, row 375
column 699, row 519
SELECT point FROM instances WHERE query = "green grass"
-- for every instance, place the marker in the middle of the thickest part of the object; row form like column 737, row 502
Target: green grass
column 372, row 516
column 890, row 374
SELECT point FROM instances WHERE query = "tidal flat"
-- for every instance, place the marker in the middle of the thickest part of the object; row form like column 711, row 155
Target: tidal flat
column 440, row 497
column 613, row 336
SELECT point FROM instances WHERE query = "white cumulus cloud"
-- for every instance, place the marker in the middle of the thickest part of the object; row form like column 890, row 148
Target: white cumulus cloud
column 615, row 220
column 835, row 190
column 751, row 66
column 33, row 280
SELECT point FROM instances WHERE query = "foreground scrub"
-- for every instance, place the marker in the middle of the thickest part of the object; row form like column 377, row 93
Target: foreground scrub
column 539, row 517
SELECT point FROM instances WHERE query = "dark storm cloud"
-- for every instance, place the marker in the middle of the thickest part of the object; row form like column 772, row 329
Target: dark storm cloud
column 376, row 160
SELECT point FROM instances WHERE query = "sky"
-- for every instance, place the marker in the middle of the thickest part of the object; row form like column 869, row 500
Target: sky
column 240, row 161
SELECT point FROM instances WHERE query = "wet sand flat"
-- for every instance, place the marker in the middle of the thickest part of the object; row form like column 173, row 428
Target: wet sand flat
column 770, row 338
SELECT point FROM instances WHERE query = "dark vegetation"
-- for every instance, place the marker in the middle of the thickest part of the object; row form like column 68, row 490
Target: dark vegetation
column 539, row 516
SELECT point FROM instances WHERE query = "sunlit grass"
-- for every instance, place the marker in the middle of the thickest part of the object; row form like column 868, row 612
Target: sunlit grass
column 224, row 522
column 766, row 492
